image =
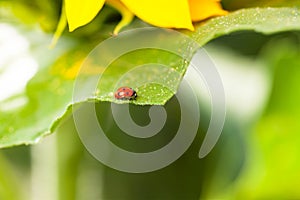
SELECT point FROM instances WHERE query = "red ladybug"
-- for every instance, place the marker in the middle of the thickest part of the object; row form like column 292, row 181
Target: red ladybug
column 125, row 93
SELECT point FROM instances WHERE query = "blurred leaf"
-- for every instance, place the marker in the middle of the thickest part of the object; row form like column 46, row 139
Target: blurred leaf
column 45, row 12
column 46, row 98
column 49, row 94
column 272, row 170
column 10, row 185
column 284, row 59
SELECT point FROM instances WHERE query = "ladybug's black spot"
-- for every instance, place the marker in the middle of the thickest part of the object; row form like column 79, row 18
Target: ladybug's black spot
column 123, row 89
column 134, row 95
column 127, row 93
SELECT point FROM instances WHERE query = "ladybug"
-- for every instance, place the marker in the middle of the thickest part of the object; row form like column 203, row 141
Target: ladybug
column 125, row 93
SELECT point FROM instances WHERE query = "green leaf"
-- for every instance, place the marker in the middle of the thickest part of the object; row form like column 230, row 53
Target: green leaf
column 26, row 117
column 261, row 20
column 48, row 96
column 237, row 4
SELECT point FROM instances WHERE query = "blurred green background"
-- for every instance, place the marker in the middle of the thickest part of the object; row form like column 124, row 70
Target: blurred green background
column 256, row 157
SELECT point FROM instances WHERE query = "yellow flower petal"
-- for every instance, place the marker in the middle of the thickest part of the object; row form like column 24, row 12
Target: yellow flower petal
column 81, row 12
column 162, row 13
column 203, row 9
column 127, row 16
